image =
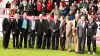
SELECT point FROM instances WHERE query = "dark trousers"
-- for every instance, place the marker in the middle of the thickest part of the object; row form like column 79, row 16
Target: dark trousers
column 23, row 35
column 31, row 40
column 81, row 44
column 55, row 42
column 16, row 40
column 89, row 40
column 46, row 40
column 39, row 41
column 62, row 42
column 6, row 38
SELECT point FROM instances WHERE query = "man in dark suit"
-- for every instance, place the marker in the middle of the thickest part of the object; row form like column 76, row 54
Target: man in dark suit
column 31, row 30
column 91, row 34
column 16, row 30
column 39, row 31
column 55, row 25
column 24, row 30
column 62, row 33
column 81, row 33
column 6, row 26
column 47, row 33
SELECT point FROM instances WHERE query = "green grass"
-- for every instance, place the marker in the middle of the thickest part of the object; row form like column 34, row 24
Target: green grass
column 39, row 52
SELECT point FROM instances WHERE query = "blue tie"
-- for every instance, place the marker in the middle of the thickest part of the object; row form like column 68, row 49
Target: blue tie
column 24, row 25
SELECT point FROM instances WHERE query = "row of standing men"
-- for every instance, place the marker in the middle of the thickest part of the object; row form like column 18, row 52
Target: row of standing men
column 50, row 32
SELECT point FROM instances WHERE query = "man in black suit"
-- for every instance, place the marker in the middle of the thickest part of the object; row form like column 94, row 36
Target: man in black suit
column 91, row 34
column 81, row 33
column 31, row 30
column 47, row 33
column 55, row 28
column 39, row 31
column 6, row 26
column 24, row 30
column 16, row 30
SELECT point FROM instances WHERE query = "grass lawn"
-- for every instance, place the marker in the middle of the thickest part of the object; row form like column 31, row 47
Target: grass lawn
column 39, row 52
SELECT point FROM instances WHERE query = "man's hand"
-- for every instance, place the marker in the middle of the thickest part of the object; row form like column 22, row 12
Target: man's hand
column 35, row 32
column 62, row 36
column 53, row 30
column 94, row 36
column 20, row 32
column 13, row 32
column 4, row 32
column 44, row 33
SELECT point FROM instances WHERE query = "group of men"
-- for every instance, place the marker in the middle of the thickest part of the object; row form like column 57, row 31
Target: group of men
column 48, row 33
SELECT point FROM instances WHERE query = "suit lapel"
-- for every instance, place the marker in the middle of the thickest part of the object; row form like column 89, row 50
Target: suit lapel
column 9, row 21
column 63, row 23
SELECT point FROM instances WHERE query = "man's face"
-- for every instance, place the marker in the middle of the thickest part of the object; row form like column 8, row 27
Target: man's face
column 48, row 17
column 82, row 18
column 89, row 18
column 16, row 16
column 76, row 16
column 24, row 15
column 61, row 18
column 72, row 4
column 40, row 16
column 8, row 16
column 33, row 17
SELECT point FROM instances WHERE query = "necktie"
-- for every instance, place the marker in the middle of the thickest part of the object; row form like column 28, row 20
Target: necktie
column 24, row 24
column 83, row 24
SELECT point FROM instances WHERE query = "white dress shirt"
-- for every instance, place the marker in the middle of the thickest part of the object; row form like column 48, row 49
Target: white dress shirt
column 33, row 25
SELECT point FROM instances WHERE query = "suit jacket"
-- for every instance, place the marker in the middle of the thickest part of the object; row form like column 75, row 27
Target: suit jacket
column 39, row 27
column 15, row 25
column 6, row 25
column 30, row 25
column 69, row 29
column 63, row 29
column 47, row 26
column 56, row 27
column 92, row 28
column 21, row 23
column 73, row 27
column 81, row 32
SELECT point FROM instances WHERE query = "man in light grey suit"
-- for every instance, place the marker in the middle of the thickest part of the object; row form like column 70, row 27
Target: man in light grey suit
column 81, row 33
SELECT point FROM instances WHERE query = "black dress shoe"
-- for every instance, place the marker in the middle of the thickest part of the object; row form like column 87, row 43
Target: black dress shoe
column 82, row 52
column 53, row 49
column 25, row 47
column 48, row 47
column 20, row 47
column 14, row 47
column 78, row 52
column 43, row 48
column 5, row 48
column 56, row 49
